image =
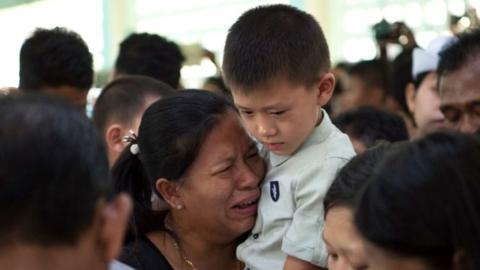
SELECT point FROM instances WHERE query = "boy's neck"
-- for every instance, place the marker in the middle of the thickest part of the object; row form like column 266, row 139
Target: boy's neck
column 320, row 117
column 35, row 257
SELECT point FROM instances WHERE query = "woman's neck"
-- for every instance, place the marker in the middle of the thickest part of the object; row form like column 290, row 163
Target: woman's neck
column 199, row 248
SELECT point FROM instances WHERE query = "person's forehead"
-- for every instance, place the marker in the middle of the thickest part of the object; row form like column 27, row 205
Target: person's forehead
column 268, row 96
column 461, row 86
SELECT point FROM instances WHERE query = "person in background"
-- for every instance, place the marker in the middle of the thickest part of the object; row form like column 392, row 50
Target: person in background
column 120, row 106
column 421, row 94
column 280, row 79
column 421, row 208
column 367, row 125
column 57, row 206
column 346, row 249
column 57, row 61
column 459, row 90
column 215, row 84
column 367, row 85
column 192, row 151
column 340, row 70
column 149, row 55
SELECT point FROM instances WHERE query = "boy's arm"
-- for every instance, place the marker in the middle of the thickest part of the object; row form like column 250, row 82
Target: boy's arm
column 293, row 263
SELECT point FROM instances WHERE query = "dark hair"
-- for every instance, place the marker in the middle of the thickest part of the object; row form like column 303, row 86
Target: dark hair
column 170, row 136
column 125, row 97
column 423, row 200
column 354, row 176
column 370, row 124
column 55, row 57
column 53, row 171
column 420, row 77
column 271, row 41
column 400, row 76
column 150, row 55
column 218, row 82
column 460, row 52
column 374, row 73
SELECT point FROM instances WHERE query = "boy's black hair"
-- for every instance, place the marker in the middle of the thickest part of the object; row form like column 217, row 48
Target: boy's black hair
column 423, row 201
column 55, row 57
column 124, row 98
column 370, row 124
column 459, row 53
column 53, row 171
column 150, row 55
column 271, row 42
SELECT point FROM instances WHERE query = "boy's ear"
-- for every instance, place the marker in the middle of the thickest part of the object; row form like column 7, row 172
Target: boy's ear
column 114, row 217
column 113, row 138
column 169, row 192
column 410, row 97
column 325, row 87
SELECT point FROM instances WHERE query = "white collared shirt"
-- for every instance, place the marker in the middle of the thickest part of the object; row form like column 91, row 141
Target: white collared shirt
column 290, row 212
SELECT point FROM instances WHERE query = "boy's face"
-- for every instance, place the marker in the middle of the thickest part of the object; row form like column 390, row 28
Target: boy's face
column 279, row 114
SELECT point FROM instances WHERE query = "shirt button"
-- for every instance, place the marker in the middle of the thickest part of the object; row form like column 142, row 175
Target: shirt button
column 255, row 236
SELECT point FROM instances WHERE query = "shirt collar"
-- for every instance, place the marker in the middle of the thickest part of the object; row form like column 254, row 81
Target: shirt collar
column 319, row 134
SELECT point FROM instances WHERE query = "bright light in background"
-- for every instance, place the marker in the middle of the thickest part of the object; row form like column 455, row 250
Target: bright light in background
column 413, row 15
column 374, row 15
column 456, row 7
column 354, row 22
column 393, row 13
column 355, row 50
column 83, row 17
column 435, row 12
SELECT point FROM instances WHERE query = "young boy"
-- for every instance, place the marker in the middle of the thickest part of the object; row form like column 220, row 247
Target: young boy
column 120, row 107
column 276, row 62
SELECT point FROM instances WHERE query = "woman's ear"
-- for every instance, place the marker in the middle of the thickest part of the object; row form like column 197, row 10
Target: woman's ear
column 325, row 87
column 114, row 216
column 169, row 192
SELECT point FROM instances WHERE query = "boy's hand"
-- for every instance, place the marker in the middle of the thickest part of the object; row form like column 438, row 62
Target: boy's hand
column 293, row 263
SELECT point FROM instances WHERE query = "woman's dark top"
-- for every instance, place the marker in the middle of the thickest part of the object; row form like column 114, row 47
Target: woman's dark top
column 144, row 255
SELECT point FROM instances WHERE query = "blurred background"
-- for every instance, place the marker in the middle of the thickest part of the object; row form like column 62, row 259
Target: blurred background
column 355, row 29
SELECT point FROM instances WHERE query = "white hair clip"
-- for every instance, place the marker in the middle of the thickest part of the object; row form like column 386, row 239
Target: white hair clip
column 132, row 139
column 134, row 149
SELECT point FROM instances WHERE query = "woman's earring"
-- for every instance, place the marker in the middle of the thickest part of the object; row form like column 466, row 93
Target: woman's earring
column 179, row 206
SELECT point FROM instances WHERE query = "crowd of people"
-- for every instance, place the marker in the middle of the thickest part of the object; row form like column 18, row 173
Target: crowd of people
column 284, row 162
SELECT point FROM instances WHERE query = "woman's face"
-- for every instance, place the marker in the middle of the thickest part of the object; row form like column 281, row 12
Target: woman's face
column 221, row 188
column 426, row 110
column 344, row 244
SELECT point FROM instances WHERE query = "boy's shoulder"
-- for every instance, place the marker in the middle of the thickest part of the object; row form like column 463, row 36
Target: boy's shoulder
column 326, row 141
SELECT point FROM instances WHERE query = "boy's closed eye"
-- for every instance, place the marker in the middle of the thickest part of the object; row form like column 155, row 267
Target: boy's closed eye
column 246, row 112
column 278, row 113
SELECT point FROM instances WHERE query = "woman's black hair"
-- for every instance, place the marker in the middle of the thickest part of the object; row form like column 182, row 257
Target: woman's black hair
column 423, row 201
column 170, row 136
column 53, row 171
column 419, row 79
column 354, row 176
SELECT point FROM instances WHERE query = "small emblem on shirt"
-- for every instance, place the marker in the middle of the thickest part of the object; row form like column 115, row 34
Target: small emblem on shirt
column 274, row 190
